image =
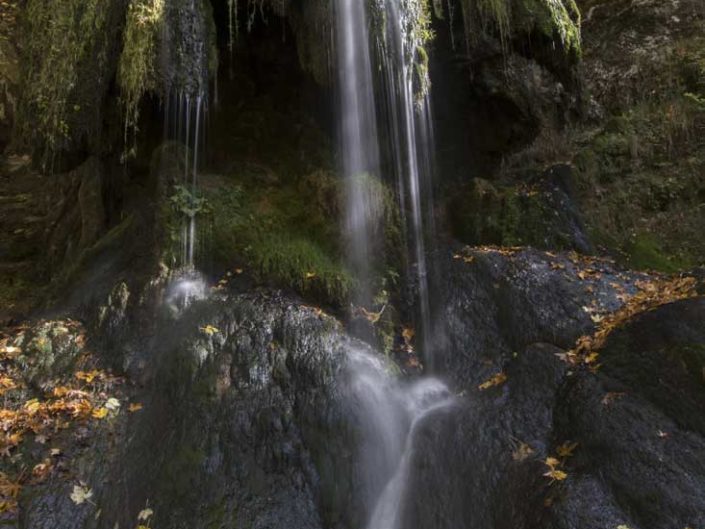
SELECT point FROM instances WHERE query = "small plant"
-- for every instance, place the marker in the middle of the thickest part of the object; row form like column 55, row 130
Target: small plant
column 188, row 203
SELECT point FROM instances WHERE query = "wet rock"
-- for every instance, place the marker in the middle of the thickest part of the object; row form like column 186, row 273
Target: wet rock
column 636, row 422
column 499, row 301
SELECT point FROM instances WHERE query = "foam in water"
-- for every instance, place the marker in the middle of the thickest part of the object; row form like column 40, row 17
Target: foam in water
column 185, row 288
column 388, row 412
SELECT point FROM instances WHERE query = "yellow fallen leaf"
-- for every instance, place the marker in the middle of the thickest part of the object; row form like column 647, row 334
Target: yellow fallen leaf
column 556, row 475
column 566, row 449
column 523, row 452
column 135, row 406
column 100, row 413
column 497, row 380
column 552, row 462
column 209, row 330
column 32, row 406
column 592, row 358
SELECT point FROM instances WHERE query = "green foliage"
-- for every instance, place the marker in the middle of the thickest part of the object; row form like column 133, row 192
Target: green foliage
column 286, row 234
column 187, row 203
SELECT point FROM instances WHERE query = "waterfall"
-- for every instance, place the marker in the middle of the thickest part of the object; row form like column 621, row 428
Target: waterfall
column 386, row 122
column 183, row 123
column 388, row 411
column 399, row 126
column 359, row 140
column 411, row 143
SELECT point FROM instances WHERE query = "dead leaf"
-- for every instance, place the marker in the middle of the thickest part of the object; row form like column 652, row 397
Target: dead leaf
column 497, row 380
column 81, row 494
column 145, row 514
column 135, row 406
column 556, row 475
column 100, row 413
column 566, row 449
column 112, row 404
column 209, row 330
column 610, row 397
column 523, row 452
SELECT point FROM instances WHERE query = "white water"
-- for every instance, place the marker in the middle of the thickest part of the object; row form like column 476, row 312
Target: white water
column 360, row 149
column 389, row 412
column 400, row 125
column 412, row 146
column 407, row 137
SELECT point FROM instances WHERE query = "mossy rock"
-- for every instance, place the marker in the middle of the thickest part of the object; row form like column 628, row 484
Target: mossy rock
column 49, row 351
column 542, row 215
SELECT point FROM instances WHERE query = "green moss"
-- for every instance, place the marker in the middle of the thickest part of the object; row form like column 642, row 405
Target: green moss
column 137, row 69
column 180, row 471
column 66, row 63
column 183, row 64
column 289, row 233
column 509, row 216
column 556, row 19
column 645, row 253
column 286, row 234
column 693, row 356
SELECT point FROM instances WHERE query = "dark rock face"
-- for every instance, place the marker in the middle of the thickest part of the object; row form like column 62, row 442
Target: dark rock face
column 640, row 423
column 637, row 422
column 248, row 419
column 498, row 302
column 246, row 424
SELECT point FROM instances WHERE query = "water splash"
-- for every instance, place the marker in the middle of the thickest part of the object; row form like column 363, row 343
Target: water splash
column 185, row 288
column 388, row 411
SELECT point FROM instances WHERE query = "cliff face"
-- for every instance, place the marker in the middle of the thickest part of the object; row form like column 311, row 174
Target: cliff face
column 628, row 126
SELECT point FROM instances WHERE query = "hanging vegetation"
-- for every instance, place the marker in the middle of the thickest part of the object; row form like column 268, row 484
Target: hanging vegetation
column 558, row 20
column 68, row 49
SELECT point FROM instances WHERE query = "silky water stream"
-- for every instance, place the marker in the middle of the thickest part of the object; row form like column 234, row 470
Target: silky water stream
column 389, row 409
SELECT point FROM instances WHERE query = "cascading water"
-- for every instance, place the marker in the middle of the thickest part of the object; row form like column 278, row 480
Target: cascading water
column 388, row 409
column 360, row 151
column 410, row 135
column 400, row 126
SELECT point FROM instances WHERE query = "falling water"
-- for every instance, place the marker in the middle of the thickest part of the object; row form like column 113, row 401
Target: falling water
column 400, row 126
column 404, row 119
column 389, row 411
column 360, row 150
column 411, row 138
column 183, row 123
